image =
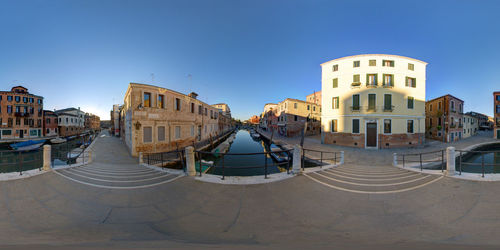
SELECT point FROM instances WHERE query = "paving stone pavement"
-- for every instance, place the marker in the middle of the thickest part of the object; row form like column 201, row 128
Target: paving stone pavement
column 50, row 211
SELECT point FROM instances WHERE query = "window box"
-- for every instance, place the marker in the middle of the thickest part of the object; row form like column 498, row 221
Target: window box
column 355, row 84
column 388, row 85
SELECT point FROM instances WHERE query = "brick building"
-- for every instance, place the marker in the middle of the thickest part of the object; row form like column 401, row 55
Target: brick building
column 21, row 114
column 444, row 118
column 50, row 123
column 92, row 122
column 293, row 114
column 314, row 98
column 496, row 114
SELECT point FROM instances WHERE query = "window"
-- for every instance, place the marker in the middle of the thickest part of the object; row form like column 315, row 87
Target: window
column 334, row 125
column 335, row 102
column 9, row 98
column 452, row 106
column 206, row 111
column 314, row 108
column 430, row 107
column 497, row 98
column 371, row 79
column 371, row 101
column 411, row 102
column 439, row 105
column 355, row 102
column 409, row 128
column 430, row 121
column 295, row 105
column 177, row 104
column 161, row 101
column 147, row 134
column 411, row 82
column 387, row 102
column 200, row 110
column 9, row 109
column 161, row 133
column 387, row 126
column 460, row 108
column 18, row 121
column 355, row 126
column 498, row 109
column 18, row 99
column 335, row 67
column 192, row 130
column 335, row 82
column 355, row 79
column 439, row 121
column 25, row 109
column 177, row 132
column 295, row 118
column 372, row 63
column 192, row 108
column 411, row 66
column 387, row 63
column 355, row 64
column 147, row 99
column 18, row 109
column 388, row 80
column 25, row 99
column 308, row 107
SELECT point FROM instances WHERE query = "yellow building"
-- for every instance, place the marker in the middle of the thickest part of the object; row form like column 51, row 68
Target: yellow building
column 292, row 114
column 157, row 119
column 373, row 101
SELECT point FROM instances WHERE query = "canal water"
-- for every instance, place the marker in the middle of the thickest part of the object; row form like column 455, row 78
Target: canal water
column 476, row 158
column 15, row 161
column 245, row 165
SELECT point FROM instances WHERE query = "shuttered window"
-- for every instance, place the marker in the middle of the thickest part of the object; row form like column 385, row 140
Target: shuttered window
column 335, row 102
column 161, row 133
column 372, row 62
column 355, row 102
column 334, row 125
column 410, row 127
column 411, row 102
column 371, row 101
column 147, row 134
column 335, row 82
column 355, row 126
column 177, row 132
column 387, row 126
column 411, row 82
column 355, row 78
column 387, row 102
column 411, row 66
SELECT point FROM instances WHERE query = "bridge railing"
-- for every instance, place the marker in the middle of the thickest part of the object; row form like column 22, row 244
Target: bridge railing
column 438, row 156
column 481, row 154
column 318, row 157
column 19, row 161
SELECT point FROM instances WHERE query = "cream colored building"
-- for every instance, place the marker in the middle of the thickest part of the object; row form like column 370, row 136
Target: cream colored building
column 157, row 119
column 471, row 126
column 373, row 101
column 223, row 107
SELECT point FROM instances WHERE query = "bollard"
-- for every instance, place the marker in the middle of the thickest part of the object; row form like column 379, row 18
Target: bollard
column 395, row 159
column 46, row 157
column 297, row 161
column 341, row 157
column 190, row 162
column 450, row 161
column 89, row 160
column 141, row 159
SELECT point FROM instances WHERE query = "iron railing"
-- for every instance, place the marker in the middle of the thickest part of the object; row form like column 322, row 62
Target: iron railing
column 72, row 150
column 222, row 166
column 323, row 156
column 164, row 159
column 426, row 157
column 19, row 161
column 463, row 153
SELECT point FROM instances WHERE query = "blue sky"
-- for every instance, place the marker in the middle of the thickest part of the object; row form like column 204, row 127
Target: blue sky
column 244, row 53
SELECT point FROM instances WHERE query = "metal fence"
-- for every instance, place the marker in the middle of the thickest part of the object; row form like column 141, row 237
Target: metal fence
column 69, row 152
column 19, row 161
column 481, row 154
column 320, row 157
column 223, row 167
column 426, row 157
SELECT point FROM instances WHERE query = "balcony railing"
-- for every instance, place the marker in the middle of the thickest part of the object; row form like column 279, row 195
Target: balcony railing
column 355, row 84
column 21, row 114
column 371, row 85
column 388, row 108
column 355, row 108
column 389, row 85
column 453, row 126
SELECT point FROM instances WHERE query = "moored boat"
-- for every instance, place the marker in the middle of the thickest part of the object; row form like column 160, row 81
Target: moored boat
column 27, row 145
column 57, row 140
column 277, row 154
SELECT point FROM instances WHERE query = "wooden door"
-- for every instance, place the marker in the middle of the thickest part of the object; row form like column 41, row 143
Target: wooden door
column 371, row 134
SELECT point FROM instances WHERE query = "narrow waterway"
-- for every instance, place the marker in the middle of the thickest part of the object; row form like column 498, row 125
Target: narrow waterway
column 477, row 159
column 245, row 165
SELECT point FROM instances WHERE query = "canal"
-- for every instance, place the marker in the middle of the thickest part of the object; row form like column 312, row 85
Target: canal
column 245, row 165
column 16, row 161
column 476, row 159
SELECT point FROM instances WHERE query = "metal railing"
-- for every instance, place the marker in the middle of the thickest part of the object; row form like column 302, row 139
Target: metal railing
column 426, row 157
column 72, row 150
column 164, row 159
column 222, row 166
column 19, row 161
column 323, row 156
column 463, row 153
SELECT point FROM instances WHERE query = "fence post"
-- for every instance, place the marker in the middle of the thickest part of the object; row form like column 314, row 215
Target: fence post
column 420, row 162
column 341, row 157
column 321, row 158
column 395, row 159
column 47, row 157
column 450, row 161
column 141, row 158
column 297, row 162
column 265, row 168
column 482, row 163
column 21, row 163
column 191, row 171
column 223, row 168
column 442, row 161
column 460, row 164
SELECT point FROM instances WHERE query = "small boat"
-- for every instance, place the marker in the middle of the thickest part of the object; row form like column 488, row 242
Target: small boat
column 27, row 145
column 277, row 154
column 255, row 135
column 57, row 140
column 74, row 153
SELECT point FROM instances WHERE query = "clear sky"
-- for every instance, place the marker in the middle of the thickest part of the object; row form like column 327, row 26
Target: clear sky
column 244, row 53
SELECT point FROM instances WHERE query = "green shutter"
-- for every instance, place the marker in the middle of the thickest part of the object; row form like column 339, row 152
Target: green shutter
column 406, row 81
column 335, row 82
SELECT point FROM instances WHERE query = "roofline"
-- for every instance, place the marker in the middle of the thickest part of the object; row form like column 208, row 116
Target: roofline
column 297, row 100
column 445, row 96
column 347, row 57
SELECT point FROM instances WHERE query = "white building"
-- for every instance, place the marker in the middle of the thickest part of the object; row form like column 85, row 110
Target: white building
column 71, row 121
column 471, row 126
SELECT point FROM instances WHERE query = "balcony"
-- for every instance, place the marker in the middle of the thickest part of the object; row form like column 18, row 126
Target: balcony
column 388, row 108
column 460, row 125
column 371, row 85
column 355, row 84
column 453, row 126
column 371, row 109
column 355, row 108
column 390, row 85
column 21, row 114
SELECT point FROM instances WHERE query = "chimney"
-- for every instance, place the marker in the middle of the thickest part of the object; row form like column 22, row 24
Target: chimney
column 193, row 95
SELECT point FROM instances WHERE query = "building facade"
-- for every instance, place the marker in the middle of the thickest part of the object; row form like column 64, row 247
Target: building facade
column 268, row 118
column 292, row 115
column 496, row 115
column 115, row 119
column 157, row 119
column 484, row 124
column 21, row 114
column 71, row 121
column 444, row 118
column 50, row 123
column 224, row 108
column 92, row 122
column 373, row 101
column 471, row 126
column 314, row 98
